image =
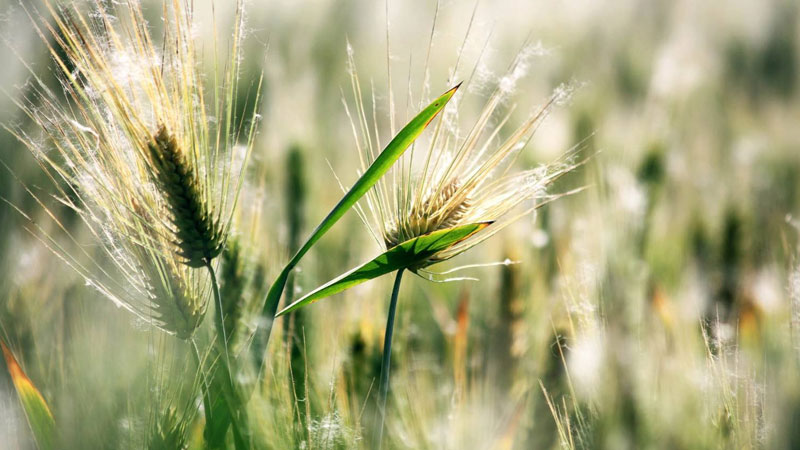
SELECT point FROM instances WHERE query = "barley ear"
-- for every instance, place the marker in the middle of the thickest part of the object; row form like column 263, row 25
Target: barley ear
column 233, row 284
column 197, row 234
column 177, row 308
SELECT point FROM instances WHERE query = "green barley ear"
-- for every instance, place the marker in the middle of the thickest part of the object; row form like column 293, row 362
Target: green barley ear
column 197, row 234
column 296, row 196
column 234, row 282
column 295, row 210
column 294, row 324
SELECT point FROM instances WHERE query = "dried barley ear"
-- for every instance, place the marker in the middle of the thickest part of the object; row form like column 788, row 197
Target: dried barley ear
column 197, row 235
column 445, row 208
column 177, row 308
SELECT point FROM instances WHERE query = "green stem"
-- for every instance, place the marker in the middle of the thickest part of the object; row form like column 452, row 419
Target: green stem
column 233, row 397
column 203, row 381
column 387, row 360
column 220, row 319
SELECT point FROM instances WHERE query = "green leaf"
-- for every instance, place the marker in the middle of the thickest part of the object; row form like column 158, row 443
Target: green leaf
column 404, row 255
column 38, row 413
column 379, row 167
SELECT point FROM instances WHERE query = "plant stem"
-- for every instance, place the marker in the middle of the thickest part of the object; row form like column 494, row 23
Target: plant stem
column 232, row 395
column 387, row 360
column 203, row 381
column 220, row 322
column 218, row 300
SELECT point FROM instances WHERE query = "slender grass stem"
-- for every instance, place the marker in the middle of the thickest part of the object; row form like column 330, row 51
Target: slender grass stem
column 240, row 441
column 220, row 319
column 387, row 362
column 203, row 380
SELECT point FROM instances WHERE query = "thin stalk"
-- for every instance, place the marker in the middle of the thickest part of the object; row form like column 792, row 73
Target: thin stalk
column 220, row 319
column 387, row 360
column 238, row 438
column 220, row 324
column 204, row 382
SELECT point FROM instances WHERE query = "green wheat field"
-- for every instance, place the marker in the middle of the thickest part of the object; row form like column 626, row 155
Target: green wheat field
column 424, row 224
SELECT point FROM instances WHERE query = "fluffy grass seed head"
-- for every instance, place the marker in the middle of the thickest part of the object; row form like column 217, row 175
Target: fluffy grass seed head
column 463, row 176
column 152, row 168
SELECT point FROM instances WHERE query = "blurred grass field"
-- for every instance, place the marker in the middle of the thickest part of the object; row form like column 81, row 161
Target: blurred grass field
column 659, row 308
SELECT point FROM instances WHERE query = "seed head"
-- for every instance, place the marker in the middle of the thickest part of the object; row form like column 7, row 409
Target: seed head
column 133, row 151
column 234, row 283
column 177, row 302
column 197, row 235
column 439, row 210
column 462, row 177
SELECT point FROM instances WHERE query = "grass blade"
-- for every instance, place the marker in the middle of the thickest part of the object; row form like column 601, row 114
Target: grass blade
column 402, row 256
column 379, row 167
column 38, row 413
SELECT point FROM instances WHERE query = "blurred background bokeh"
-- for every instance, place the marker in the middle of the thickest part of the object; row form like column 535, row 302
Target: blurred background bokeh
column 656, row 309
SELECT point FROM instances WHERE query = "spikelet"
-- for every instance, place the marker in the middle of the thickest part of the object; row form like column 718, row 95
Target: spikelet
column 178, row 307
column 177, row 302
column 198, row 235
column 463, row 177
column 134, row 152
column 437, row 212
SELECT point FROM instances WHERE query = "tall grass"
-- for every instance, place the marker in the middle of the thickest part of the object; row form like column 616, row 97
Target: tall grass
column 656, row 309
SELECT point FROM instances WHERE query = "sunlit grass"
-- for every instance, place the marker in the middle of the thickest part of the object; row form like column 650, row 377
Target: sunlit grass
column 656, row 309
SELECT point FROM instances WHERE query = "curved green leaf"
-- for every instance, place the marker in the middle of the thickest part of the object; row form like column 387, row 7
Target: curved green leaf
column 404, row 255
column 376, row 170
column 36, row 410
